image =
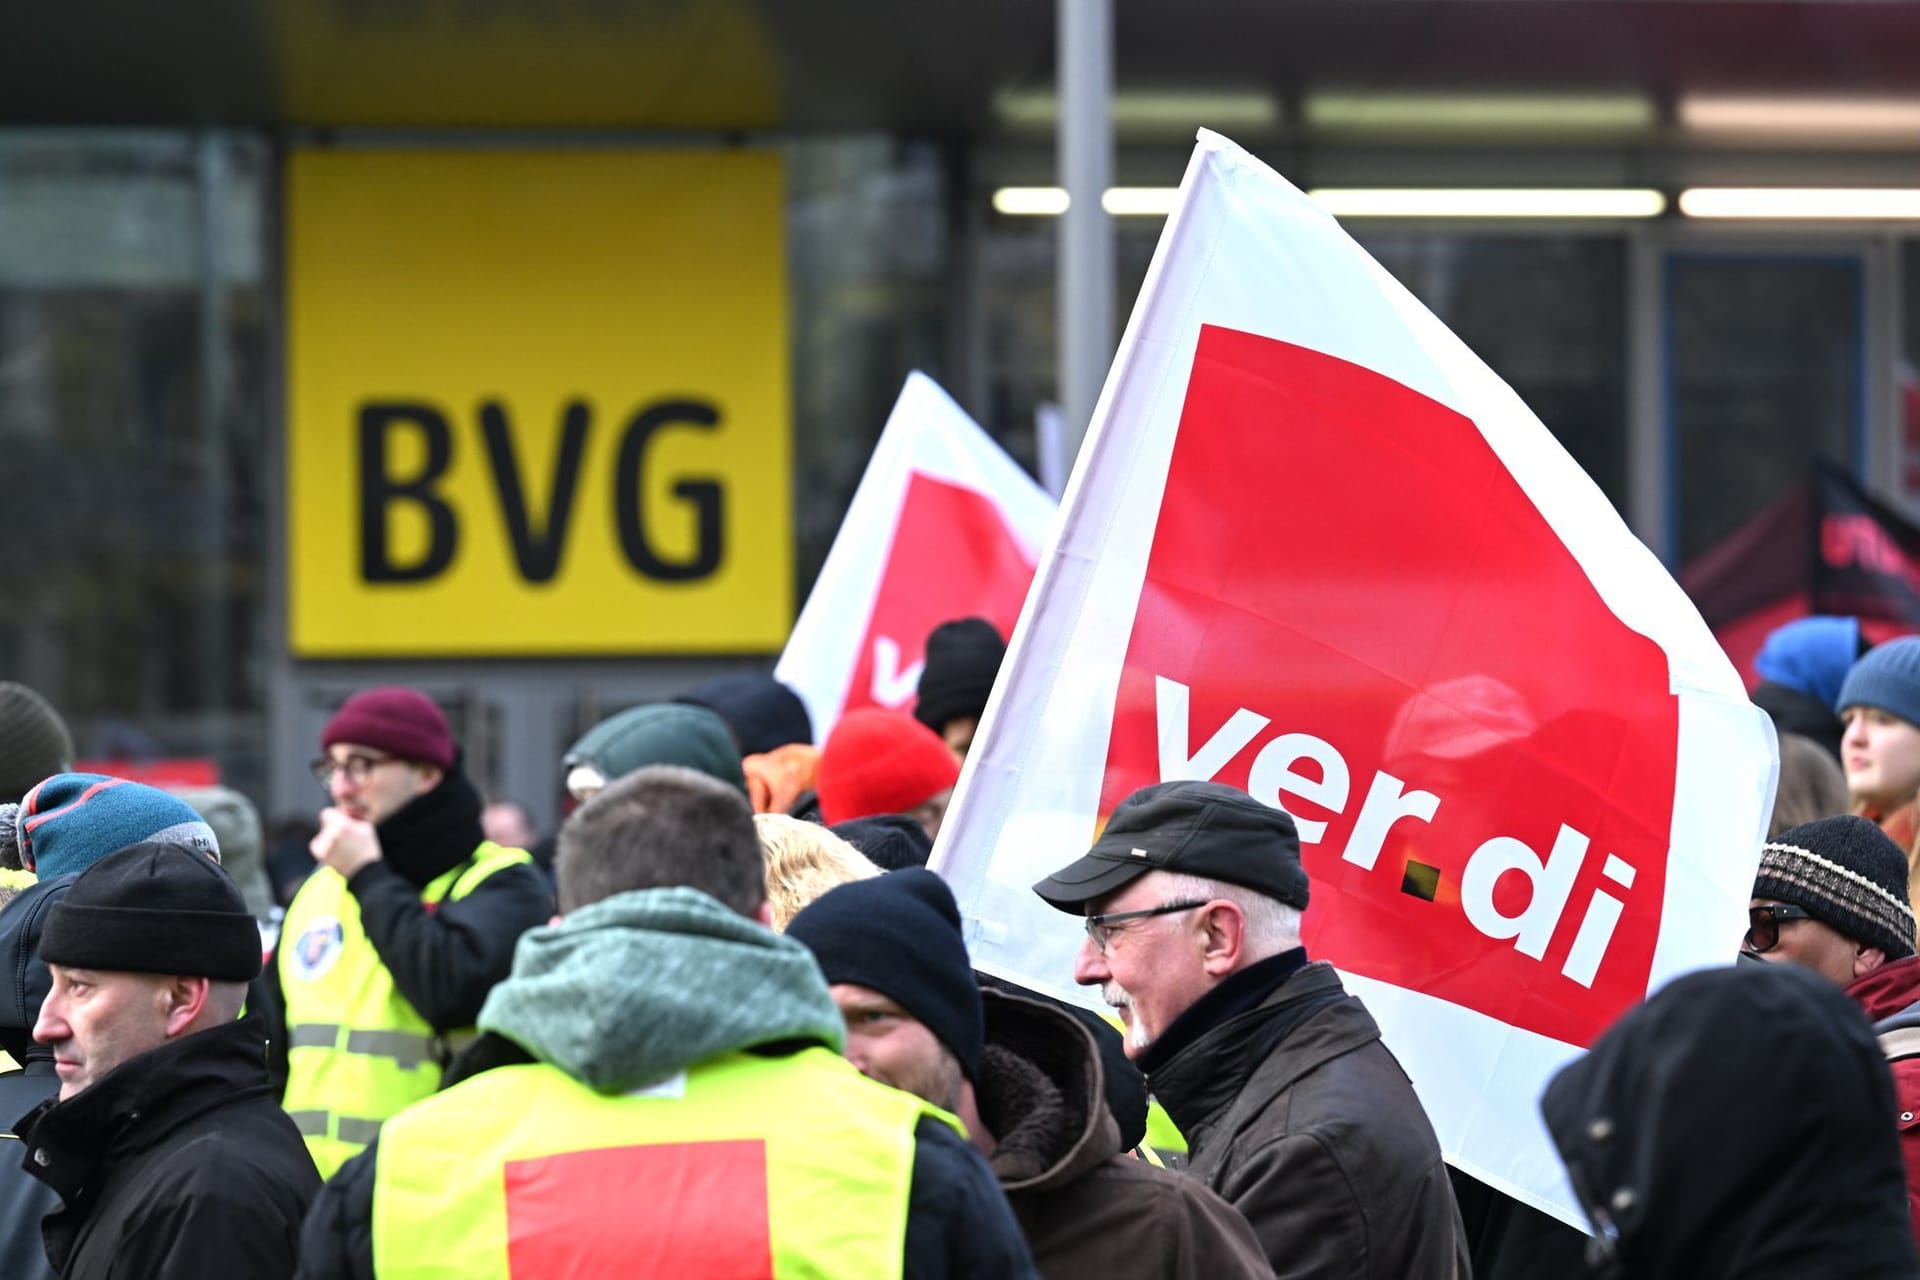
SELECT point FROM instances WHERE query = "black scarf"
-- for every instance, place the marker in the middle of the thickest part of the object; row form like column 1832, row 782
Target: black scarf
column 1235, row 995
column 435, row 831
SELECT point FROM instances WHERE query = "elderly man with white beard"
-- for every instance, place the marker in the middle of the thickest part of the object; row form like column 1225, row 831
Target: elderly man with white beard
column 1293, row 1109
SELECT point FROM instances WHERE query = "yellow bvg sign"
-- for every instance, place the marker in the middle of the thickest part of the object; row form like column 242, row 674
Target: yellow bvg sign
column 538, row 403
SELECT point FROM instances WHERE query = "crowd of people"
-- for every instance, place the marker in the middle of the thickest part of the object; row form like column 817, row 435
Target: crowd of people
column 724, row 1023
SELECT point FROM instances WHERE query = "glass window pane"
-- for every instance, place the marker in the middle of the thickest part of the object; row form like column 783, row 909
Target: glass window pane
column 135, row 324
column 1548, row 315
column 1765, row 377
column 868, row 263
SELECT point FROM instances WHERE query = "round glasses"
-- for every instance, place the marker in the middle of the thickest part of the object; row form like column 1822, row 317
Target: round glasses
column 356, row 767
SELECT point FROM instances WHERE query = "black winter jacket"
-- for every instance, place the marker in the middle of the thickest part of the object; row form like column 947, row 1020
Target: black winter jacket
column 24, row 1199
column 1299, row 1117
column 1739, row 1125
column 176, row 1165
column 24, row 983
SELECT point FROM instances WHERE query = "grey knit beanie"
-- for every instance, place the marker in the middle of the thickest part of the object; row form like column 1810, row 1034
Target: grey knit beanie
column 1888, row 678
column 34, row 742
column 1847, row 873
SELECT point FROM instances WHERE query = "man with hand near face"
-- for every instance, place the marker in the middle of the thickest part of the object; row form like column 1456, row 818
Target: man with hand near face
column 390, row 948
column 164, row 1144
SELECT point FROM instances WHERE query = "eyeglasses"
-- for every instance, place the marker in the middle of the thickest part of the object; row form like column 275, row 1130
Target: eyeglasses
column 1763, row 925
column 355, row 766
column 1098, row 926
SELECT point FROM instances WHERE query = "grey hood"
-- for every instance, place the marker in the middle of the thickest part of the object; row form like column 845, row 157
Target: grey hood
column 626, row 992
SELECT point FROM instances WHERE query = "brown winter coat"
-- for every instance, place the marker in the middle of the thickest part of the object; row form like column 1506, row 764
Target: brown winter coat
column 1300, row 1118
column 1086, row 1209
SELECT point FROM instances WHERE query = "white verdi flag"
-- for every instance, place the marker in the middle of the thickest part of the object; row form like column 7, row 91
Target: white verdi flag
column 943, row 525
column 1314, row 548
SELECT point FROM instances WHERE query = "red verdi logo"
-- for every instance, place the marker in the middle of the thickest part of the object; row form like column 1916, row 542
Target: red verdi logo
column 952, row 556
column 1352, row 610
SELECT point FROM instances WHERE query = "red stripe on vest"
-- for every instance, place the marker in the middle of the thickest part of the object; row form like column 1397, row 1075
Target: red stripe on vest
column 622, row 1213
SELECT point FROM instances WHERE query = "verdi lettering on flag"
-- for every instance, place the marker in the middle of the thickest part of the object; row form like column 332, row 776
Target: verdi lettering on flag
column 1456, row 777
column 944, row 525
column 1314, row 548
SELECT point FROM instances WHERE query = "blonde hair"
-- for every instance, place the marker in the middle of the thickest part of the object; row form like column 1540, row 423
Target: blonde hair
column 1811, row 784
column 804, row 860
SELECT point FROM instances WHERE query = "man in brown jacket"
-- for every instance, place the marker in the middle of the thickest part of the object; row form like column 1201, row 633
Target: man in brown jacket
column 1293, row 1109
column 1026, row 1078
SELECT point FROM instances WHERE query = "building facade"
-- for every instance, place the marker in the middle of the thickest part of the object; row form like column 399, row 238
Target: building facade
column 531, row 352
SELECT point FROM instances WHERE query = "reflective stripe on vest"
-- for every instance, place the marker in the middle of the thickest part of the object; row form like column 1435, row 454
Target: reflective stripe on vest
column 742, row 1167
column 357, row 1051
column 1162, row 1133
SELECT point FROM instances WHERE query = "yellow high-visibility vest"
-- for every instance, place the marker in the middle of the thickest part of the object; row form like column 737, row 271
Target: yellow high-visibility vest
column 742, row 1166
column 357, row 1050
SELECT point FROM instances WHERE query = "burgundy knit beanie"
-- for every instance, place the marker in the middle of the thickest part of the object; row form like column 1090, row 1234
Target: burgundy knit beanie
column 878, row 761
column 402, row 721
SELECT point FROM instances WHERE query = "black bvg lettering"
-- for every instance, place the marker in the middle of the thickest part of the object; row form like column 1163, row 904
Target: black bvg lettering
column 380, row 490
column 704, row 494
column 537, row 552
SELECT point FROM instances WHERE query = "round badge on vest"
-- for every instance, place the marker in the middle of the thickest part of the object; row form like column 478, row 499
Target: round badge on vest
column 316, row 949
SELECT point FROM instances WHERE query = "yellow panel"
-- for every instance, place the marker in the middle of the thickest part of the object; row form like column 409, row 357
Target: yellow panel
column 708, row 64
column 455, row 320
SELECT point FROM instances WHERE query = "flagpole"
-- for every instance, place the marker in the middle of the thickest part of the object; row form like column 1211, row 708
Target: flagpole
column 1085, row 142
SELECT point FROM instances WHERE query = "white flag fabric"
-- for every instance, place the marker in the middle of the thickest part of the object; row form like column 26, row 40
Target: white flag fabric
column 943, row 525
column 1314, row 548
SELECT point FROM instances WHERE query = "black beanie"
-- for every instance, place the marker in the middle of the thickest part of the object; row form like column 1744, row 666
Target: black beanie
column 962, row 659
column 891, row 841
column 899, row 934
column 154, row 908
column 1848, row 874
column 761, row 713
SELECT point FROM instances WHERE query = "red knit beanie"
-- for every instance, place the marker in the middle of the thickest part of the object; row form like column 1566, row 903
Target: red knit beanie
column 878, row 761
column 403, row 721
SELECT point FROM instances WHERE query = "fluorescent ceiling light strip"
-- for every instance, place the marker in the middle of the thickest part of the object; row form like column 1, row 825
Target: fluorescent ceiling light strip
column 1031, row 202
column 1491, row 202
column 1801, row 202
column 1048, row 202
column 1480, row 112
column 1836, row 117
column 1374, row 202
column 1135, row 109
column 1147, row 202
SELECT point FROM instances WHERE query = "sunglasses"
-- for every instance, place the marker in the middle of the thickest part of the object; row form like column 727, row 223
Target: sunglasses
column 1763, row 925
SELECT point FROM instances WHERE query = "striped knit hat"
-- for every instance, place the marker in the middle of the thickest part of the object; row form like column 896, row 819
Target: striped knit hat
column 1847, row 873
column 72, row 820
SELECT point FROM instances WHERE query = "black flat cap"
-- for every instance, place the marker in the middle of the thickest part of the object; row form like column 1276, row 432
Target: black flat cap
column 1203, row 829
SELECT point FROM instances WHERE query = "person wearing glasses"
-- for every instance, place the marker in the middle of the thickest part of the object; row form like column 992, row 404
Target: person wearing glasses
column 1294, row 1111
column 389, row 949
column 1024, row 1076
column 1831, row 897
